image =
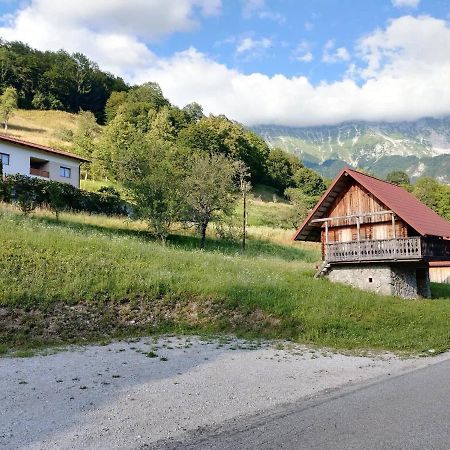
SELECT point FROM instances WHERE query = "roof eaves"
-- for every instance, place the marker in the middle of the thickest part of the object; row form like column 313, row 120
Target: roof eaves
column 319, row 203
column 43, row 148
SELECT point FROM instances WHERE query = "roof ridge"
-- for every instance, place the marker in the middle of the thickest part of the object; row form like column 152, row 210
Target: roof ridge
column 405, row 205
column 374, row 177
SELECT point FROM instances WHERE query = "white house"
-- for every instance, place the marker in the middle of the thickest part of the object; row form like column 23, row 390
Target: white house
column 27, row 158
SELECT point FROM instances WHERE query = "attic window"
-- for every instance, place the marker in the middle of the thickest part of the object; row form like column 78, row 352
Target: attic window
column 370, row 280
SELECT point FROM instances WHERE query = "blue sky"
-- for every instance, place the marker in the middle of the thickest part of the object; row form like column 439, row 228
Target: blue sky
column 291, row 62
column 289, row 24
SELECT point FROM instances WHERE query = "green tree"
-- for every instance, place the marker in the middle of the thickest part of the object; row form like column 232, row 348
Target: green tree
column 149, row 93
column 85, row 138
column 209, row 190
column 398, row 177
column 434, row 195
column 5, row 65
column 194, row 112
column 56, row 199
column 301, row 203
column 218, row 135
column 426, row 189
column 114, row 144
column 281, row 167
column 310, row 182
column 115, row 100
column 161, row 126
column 8, row 103
column 150, row 172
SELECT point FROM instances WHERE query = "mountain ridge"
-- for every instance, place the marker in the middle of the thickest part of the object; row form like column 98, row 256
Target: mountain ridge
column 420, row 148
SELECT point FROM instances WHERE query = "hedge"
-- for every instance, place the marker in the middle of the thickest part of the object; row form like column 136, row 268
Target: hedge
column 30, row 192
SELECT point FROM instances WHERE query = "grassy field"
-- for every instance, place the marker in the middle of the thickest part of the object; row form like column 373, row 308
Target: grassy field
column 42, row 127
column 90, row 277
column 266, row 206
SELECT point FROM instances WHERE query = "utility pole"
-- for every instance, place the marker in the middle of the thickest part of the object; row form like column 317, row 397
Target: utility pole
column 244, row 187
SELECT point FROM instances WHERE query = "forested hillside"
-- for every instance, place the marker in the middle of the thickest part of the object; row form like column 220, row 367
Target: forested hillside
column 159, row 152
column 56, row 80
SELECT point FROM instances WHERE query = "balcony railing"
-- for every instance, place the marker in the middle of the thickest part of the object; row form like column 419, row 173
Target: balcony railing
column 413, row 248
column 39, row 172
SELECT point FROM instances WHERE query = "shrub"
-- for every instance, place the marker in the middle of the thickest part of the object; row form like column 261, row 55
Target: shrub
column 30, row 193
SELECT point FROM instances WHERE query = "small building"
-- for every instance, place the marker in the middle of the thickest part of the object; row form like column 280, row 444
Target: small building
column 376, row 236
column 440, row 272
column 27, row 158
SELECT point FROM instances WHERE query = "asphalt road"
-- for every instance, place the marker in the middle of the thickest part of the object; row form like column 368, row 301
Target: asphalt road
column 408, row 411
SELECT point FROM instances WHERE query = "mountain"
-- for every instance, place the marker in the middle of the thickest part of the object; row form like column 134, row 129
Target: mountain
column 420, row 148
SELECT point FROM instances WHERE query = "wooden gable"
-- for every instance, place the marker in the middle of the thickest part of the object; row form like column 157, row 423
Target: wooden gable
column 356, row 200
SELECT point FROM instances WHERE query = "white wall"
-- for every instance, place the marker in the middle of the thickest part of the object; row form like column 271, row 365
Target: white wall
column 19, row 162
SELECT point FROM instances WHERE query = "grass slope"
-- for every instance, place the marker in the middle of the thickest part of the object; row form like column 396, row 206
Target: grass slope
column 42, row 127
column 91, row 277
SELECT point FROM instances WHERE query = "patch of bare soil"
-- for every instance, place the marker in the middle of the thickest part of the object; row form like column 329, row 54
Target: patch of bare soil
column 63, row 323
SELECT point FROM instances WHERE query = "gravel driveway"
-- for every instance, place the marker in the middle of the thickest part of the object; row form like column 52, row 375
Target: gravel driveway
column 132, row 394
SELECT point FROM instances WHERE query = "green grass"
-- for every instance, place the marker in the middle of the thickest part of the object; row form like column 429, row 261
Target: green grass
column 440, row 290
column 42, row 127
column 105, row 274
column 95, row 185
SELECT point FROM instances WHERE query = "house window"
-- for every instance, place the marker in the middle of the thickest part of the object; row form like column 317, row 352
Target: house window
column 64, row 172
column 5, row 159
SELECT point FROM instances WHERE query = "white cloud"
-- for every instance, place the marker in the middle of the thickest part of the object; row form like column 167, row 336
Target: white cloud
column 402, row 72
column 409, row 65
column 330, row 55
column 108, row 31
column 259, row 9
column 303, row 52
column 405, row 3
column 251, row 6
column 307, row 57
column 248, row 44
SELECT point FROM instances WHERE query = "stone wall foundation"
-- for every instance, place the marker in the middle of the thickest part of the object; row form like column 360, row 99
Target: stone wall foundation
column 405, row 279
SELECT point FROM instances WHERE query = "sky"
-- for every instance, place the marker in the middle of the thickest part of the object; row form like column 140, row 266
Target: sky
column 283, row 62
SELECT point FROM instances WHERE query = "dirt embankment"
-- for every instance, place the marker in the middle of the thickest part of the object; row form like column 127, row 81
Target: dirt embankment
column 63, row 323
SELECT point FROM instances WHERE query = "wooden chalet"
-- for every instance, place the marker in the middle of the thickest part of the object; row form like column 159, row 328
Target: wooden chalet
column 376, row 235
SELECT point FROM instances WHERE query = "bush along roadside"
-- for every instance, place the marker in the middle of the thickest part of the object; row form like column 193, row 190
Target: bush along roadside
column 30, row 193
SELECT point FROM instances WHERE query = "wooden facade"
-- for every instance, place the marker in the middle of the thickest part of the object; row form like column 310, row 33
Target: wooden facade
column 359, row 227
column 376, row 236
column 351, row 218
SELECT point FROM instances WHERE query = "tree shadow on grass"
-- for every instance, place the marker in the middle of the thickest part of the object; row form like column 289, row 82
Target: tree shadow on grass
column 255, row 247
column 28, row 129
column 440, row 290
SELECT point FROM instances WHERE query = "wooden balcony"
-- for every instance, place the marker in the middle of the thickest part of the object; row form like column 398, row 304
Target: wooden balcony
column 406, row 249
column 39, row 172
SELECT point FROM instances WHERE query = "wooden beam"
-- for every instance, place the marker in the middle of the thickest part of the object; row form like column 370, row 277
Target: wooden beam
column 358, row 228
column 352, row 216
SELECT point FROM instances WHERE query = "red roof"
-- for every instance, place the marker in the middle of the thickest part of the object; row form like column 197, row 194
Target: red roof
column 407, row 207
column 43, row 148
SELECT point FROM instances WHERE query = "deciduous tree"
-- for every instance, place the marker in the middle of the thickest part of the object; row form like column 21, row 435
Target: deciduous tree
column 8, row 103
column 209, row 189
column 150, row 172
column 398, row 177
